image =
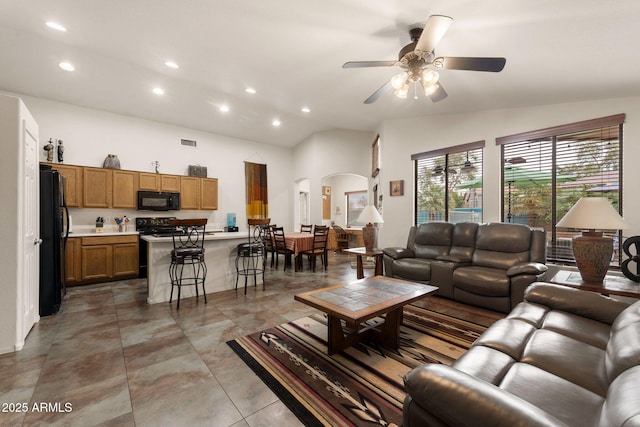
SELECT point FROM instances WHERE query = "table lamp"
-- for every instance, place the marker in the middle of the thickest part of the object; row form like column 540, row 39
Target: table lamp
column 369, row 216
column 591, row 249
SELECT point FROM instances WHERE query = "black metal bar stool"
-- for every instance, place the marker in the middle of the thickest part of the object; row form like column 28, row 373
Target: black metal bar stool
column 188, row 249
column 251, row 257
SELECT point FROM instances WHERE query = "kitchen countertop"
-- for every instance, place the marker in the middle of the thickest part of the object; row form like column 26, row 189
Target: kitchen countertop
column 222, row 235
column 105, row 233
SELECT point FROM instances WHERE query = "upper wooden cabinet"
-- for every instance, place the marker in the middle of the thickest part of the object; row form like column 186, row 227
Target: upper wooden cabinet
column 72, row 184
column 209, row 193
column 190, row 192
column 170, row 183
column 98, row 188
column 125, row 187
column 114, row 188
column 149, row 181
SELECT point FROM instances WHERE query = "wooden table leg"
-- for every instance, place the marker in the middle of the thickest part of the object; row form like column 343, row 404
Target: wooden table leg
column 359, row 267
column 337, row 340
column 378, row 265
column 389, row 335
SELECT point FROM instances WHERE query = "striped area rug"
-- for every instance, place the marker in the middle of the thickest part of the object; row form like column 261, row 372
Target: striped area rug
column 361, row 385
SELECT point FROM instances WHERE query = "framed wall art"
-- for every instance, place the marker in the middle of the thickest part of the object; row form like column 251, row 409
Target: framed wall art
column 396, row 188
column 375, row 157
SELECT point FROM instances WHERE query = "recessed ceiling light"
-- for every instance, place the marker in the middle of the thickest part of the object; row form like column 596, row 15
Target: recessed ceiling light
column 67, row 66
column 171, row 64
column 250, row 90
column 305, row 110
column 224, row 108
column 158, row 91
column 55, row 26
column 276, row 122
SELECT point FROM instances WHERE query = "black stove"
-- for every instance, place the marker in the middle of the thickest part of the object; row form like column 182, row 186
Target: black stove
column 151, row 226
column 154, row 226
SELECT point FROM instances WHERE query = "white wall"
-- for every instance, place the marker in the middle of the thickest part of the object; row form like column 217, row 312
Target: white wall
column 401, row 138
column 329, row 153
column 89, row 135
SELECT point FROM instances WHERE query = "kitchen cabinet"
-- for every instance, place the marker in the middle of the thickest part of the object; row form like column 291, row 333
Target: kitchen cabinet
column 73, row 265
column 209, row 193
column 190, row 192
column 98, row 188
column 105, row 258
column 72, row 183
column 170, row 183
column 149, row 181
column 125, row 188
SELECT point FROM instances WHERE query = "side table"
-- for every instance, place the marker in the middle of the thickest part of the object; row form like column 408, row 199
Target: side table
column 612, row 284
column 359, row 253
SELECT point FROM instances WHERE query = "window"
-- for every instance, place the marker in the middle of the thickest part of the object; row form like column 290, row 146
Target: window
column 448, row 184
column 356, row 202
column 545, row 172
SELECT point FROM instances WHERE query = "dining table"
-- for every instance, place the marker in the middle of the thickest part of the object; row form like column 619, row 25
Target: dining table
column 297, row 243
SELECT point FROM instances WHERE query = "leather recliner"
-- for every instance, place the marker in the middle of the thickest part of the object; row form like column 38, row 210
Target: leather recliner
column 563, row 357
column 487, row 265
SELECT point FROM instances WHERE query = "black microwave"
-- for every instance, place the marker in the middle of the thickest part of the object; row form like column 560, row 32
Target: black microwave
column 158, row 201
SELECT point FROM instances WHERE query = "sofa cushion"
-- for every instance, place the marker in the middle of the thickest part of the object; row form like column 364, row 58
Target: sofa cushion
column 622, row 406
column 432, row 239
column 501, row 245
column 567, row 401
column 623, row 350
column 413, row 269
column 482, row 281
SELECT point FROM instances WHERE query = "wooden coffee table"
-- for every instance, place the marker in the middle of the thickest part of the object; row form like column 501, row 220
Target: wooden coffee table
column 363, row 300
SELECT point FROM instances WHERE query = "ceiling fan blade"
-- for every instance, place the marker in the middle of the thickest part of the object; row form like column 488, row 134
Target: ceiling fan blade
column 439, row 94
column 471, row 64
column 378, row 93
column 434, row 30
column 361, row 64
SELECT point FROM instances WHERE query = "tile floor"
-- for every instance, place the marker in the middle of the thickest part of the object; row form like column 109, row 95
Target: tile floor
column 109, row 358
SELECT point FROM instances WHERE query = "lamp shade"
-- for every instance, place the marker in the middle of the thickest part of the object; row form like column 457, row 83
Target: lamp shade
column 370, row 215
column 593, row 213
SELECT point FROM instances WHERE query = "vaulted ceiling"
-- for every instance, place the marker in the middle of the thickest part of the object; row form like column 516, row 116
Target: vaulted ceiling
column 291, row 52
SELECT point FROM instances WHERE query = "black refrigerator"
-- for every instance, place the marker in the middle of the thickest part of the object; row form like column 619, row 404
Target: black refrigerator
column 54, row 218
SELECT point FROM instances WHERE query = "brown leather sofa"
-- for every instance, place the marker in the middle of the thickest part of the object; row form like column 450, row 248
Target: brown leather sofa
column 486, row 265
column 563, row 357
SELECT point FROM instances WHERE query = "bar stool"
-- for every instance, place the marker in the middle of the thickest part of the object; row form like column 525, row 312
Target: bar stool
column 188, row 249
column 251, row 257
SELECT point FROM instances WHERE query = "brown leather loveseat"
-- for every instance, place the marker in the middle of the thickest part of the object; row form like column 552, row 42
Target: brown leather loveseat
column 563, row 357
column 486, row 265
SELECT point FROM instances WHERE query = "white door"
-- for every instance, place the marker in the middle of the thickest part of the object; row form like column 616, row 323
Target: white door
column 30, row 285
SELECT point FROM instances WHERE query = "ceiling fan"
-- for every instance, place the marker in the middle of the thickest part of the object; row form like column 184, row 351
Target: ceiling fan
column 419, row 63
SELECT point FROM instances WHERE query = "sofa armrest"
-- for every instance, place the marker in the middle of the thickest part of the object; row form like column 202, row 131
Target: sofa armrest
column 454, row 258
column 586, row 304
column 397, row 253
column 533, row 268
column 459, row 399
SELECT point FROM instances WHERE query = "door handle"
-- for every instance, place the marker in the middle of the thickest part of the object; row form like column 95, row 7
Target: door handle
column 37, row 241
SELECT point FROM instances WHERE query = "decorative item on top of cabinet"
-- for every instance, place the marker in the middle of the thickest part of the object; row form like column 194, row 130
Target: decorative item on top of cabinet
column 49, row 148
column 197, row 170
column 60, row 151
column 111, row 162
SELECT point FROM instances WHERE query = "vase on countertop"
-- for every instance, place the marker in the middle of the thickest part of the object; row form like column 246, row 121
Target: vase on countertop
column 111, row 162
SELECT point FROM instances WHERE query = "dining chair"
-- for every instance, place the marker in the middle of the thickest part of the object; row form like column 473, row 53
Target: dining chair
column 188, row 249
column 342, row 238
column 269, row 243
column 319, row 248
column 281, row 246
column 306, row 228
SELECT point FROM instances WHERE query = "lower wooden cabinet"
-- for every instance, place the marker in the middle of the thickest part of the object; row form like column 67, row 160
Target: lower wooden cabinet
column 73, row 264
column 101, row 259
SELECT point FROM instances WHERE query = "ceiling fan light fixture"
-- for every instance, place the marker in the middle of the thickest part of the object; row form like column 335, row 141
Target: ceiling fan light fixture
column 429, row 89
column 402, row 91
column 429, row 77
column 399, row 80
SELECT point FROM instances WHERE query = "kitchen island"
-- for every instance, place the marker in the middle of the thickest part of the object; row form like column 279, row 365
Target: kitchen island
column 220, row 258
